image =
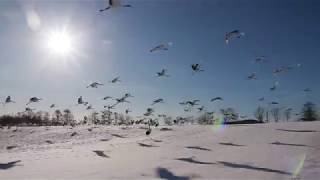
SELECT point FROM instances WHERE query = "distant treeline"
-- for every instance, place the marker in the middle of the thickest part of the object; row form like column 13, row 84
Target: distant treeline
column 230, row 116
column 40, row 118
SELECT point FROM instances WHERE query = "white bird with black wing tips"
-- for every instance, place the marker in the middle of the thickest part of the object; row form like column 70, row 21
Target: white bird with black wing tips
column 252, row 76
column 126, row 95
column 114, row 4
column 307, row 90
column 9, row 100
column 33, row 100
column 187, row 109
column 127, row 111
column 200, row 109
column 192, row 103
column 216, row 99
column 121, row 100
column 89, row 107
column 274, row 87
column 232, row 35
column 80, row 100
column 183, row 103
column 162, row 115
column 115, row 80
column 160, row 100
column 107, row 97
column 278, row 71
column 29, row 109
column 109, row 107
column 260, row 59
column 196, row 68
column 161, row 47
column 162, row 73
column 149, row 112
column 94, row 85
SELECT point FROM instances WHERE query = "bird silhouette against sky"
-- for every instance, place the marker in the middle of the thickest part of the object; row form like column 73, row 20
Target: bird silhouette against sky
column 115, row 80
column 232, row 35
column 161, row 47
column 33, row 100
column 196, row 68
column 9, row 100
column 216, row 99
column 162, row 73
column 160, row 100
column 113, row 4
column 94, row 85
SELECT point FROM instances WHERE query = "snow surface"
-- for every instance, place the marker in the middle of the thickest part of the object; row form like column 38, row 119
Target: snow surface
column 260, row 151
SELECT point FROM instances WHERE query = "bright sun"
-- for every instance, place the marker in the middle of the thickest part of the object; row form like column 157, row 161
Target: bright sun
column 60, row 43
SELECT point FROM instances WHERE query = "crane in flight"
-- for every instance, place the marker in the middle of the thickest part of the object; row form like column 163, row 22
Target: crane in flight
column 149, row 112
column 192, row 103
column 107, row 97
column 161, row 47
column 274, row 87
column 196, row 68
column 115, row 80
column 29, row 109
column 260, row 59
column 217, row 99
column 8, row 100
column 33, row 100
column 252, row 76
column 94, row 85
column 162, row 73
column 80, row 100
column 232, row 35
column 127, row 111
column 200, row 108
column 160, row 100
column 114, row 4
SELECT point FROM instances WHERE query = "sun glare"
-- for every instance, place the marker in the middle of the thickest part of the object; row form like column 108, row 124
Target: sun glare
column 60, row 43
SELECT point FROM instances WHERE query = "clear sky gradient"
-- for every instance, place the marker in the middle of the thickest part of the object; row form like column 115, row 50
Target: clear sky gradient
column 117, row 43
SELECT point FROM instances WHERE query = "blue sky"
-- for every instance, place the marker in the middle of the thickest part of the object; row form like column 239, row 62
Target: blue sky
column 117, row 43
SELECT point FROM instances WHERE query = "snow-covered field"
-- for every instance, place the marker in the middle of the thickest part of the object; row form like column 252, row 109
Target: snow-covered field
column 261, row 151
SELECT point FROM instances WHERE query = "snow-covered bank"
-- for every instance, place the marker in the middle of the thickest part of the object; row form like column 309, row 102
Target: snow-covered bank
column 261, row 151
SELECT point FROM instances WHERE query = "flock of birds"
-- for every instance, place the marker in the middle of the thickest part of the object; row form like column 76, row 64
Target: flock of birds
column 195, row 68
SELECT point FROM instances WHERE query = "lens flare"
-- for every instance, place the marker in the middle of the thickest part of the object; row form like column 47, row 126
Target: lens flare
column 299, row 167
column 218, row 125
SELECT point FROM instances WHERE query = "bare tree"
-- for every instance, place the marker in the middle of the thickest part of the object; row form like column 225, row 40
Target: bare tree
column 287, row 114
column 68, row 117
column 309, row 112
column 122, row 119
column 116, row 117
column 46, row 118
column 94, row 117
column 203, row 119
column 267, row 115
column 106, row 117
column 276, row 114
column 58, row 116
column 259, row 113
column 230, row 114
